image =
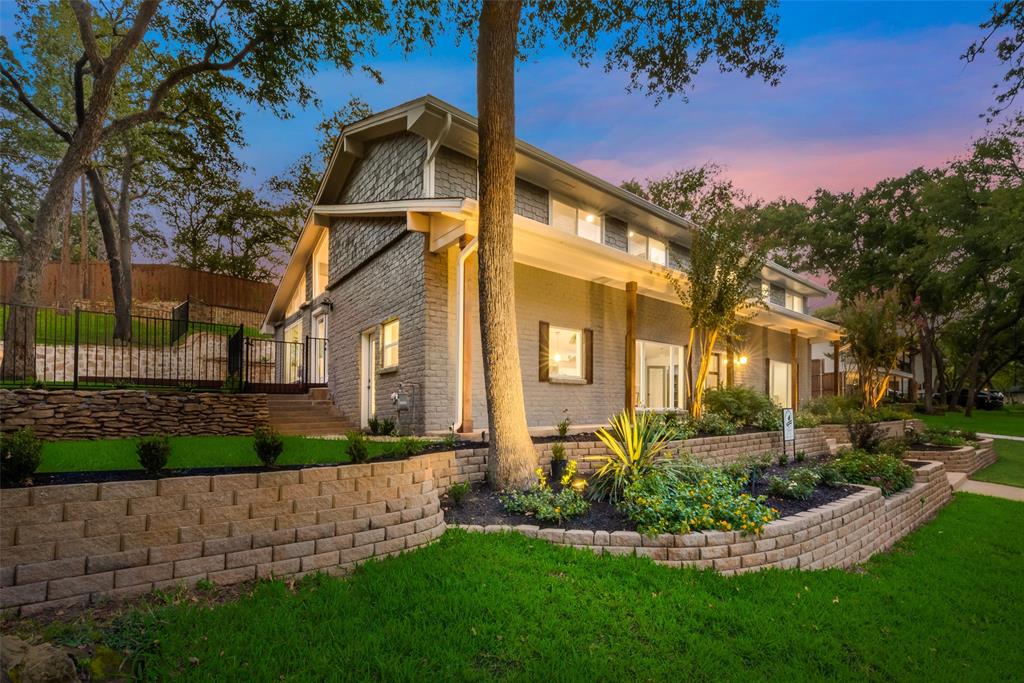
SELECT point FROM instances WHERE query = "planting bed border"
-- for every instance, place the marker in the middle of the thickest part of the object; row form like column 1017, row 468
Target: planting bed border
column 968, row 459
column 840, row 534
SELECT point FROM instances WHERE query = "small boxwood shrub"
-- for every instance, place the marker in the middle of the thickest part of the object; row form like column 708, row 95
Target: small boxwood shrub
column 874, row 469
column 713, row 424
column 408, row 446
column 381, row 426
column 268, row 445
column 20, row 454
column 457, row 492
column 358, row 450
column 153, row 453
column 799, row 484
column 542, row 502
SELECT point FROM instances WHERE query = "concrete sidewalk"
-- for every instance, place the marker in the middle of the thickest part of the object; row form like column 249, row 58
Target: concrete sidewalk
column 1001, row 436
column 960, row 482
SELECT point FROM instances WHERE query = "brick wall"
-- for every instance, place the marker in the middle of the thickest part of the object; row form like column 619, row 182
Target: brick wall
column 966, row 459
column 71, row 545
column 840, row 534
column 67, row 414
column 892, row 429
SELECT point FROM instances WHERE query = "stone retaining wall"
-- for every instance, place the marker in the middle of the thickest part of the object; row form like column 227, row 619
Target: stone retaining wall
column 839, row 534
column 67, row 414
column 70, row 545
column 967, row 459
column 714, row 450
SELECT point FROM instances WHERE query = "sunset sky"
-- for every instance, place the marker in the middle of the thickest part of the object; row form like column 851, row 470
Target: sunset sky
column 872, row 90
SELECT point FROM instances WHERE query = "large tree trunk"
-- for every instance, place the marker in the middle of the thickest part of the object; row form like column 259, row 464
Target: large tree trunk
column 926, row 369
column 65, row 260
column 83, row 245
column 113, row 225
column 511, row 457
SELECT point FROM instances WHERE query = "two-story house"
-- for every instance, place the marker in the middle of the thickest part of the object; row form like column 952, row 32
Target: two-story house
column 385, row 270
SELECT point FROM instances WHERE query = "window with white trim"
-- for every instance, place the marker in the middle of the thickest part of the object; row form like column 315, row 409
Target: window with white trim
column 389, row 345
column 659, row 376
column 650, row 248
column 576, row 221
column 320, row 266
column 565, row 353
column 713, row 380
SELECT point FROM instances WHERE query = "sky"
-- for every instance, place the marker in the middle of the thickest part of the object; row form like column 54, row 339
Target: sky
column 872, row 90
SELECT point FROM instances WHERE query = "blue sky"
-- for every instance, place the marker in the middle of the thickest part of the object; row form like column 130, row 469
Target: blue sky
column 873, row 89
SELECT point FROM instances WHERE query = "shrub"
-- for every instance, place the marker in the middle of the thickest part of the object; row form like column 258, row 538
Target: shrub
column 864, row 435
column 675, row 425
column 797, row 485
column 450, row 439
column 897, row 448
column 713, row 424
column 457, row 492
column 542, row 502
column 20, row 454
column 829, row 475
column 268, row 445
column 800, row 456
column 634, row 443
column 408, row 446
column 740, row 404
column 153, row 452
column 874, row 469
column 783, row 459
column 944, row 437
column 769, row 420
column 833, row 409
column 749, row 469
column 563, row 426
column 558, row 452
column 381, row 426
column 887, row 413
column 358, row 450
column 803, row 420
column 684, row 496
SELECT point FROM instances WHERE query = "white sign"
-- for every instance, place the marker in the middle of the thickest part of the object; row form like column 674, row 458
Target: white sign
column 788, row 430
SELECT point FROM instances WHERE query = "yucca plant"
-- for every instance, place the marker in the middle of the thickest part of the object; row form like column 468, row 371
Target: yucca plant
column 634, row 442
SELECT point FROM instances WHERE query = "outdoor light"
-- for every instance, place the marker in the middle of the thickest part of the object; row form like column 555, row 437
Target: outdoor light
column 742, row 360
column 589, row 218
column 578, row 485
column 558, row 358
column 632, row 234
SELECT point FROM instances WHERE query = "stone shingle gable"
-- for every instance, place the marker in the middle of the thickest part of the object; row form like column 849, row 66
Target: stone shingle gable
column 531, row 201
column 454, row 174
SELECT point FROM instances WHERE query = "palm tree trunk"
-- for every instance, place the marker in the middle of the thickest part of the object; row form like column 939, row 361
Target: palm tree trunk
column 511, row 456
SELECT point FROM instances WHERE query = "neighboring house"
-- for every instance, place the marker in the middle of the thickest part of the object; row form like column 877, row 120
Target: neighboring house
column 906, row 384
column 385, row 269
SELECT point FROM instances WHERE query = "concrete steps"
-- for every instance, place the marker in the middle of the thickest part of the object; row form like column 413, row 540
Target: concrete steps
column 305, row 414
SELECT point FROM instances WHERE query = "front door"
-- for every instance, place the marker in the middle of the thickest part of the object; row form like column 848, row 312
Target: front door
column 780, row 383
column 368, row 378
column 319, row 350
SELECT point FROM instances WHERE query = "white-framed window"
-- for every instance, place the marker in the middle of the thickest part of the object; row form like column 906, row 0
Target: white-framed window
column 650, row 248
column 659, row 376
column 389, row 344
column 565, row 353
column 780, row 383
column 795, row 302
column 580, row 222
column 713, row 380
column 320, row 265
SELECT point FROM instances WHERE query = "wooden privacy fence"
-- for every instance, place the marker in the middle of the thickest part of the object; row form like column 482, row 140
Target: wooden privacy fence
column 150, row 282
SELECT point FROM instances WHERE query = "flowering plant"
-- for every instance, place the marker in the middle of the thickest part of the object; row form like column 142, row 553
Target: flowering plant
column 545, row 504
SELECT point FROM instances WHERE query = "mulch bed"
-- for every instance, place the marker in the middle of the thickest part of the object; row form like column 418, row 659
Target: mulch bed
column 931, row 447
column 483, row 506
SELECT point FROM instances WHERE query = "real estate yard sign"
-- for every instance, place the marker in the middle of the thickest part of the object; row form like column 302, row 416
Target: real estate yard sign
column 788, row 430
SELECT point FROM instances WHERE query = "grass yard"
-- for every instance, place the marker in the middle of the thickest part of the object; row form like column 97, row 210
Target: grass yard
column 1009, row 469
column 1008, row 421
column 947, row 604
column 192, row 451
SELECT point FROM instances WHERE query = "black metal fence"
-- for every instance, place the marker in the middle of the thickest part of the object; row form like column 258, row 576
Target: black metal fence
column 75, row 348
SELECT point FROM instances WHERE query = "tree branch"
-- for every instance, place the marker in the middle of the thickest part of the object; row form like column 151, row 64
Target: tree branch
column 83, row 15
column 152, row 111
column 12, row 224
column 39, row 113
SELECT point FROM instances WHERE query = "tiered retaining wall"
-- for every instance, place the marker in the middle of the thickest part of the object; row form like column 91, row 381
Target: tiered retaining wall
column 892, row 429
column 967, row 459
column 70, row 545
column 839, row 534
column 67, row 414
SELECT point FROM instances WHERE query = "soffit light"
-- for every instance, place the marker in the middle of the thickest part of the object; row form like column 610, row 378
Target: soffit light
column 589, row 218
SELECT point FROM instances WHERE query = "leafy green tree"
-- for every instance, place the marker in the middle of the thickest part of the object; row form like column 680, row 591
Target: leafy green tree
column 216, row 54
column 726, row 257
column 1005, row 27
column 661, row 45
column 874, row 331
column 697, row 193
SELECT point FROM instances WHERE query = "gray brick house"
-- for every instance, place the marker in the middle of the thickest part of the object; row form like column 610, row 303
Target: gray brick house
column 385, row 269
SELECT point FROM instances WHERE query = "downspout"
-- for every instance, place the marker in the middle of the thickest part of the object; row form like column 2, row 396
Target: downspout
column 432, row 149
column 460, row 327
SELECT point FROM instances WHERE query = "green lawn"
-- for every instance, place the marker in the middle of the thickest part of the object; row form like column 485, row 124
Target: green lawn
column 54, row 327
column 1008, row 421
column 1009, row 469
column 192, row 451
column 946, row 605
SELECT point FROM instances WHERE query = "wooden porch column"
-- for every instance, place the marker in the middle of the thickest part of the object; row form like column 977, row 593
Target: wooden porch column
column 794, row 368
column 836, row 347
column 630, row 397
column 730, row 366
column 467, row 351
